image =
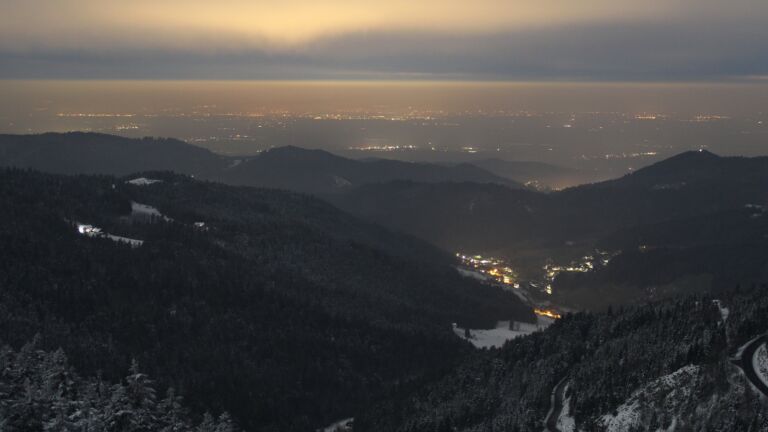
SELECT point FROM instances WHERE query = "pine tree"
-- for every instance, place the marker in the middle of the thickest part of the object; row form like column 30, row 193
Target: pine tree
column 225, row 423
column 171, row 412
column 141, row 396
column 207, row 425
column 60, row 420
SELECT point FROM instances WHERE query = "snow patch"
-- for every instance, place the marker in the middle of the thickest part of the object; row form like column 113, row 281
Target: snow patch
column 626, row 417
column 143, row 181
column 340, row 426
column 473, row 274
column 143, row 211
column 757, row 210
column 94, row 232
column 496, row 337
column 133, row 242
column 341, row 182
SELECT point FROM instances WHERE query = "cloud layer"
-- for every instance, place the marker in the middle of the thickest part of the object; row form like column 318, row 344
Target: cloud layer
column 298, row 39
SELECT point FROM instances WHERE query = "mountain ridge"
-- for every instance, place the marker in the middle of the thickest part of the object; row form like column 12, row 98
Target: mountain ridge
column 293, row 168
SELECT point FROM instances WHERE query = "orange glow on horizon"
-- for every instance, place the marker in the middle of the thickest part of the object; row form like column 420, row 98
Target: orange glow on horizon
column 196, row 24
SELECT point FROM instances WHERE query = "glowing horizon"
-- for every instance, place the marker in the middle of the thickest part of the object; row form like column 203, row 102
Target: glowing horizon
column 655, row 40
column 295, row 22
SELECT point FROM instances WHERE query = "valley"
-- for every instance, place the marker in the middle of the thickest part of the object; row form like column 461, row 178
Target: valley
column 591, row 296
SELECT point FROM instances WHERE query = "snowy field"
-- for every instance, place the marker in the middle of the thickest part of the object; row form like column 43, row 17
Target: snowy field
column 503, row 332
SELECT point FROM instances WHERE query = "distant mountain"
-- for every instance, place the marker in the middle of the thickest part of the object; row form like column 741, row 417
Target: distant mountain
column 318, row 171
column 90, row 153
column 538, row 175
column 687, row 168
column 688, row 185
column 291, row 168
column 273, row 306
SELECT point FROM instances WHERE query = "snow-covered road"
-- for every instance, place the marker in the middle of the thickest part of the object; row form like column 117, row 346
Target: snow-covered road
column 746, row 361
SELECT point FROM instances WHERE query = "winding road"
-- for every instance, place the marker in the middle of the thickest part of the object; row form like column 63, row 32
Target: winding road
column 556, row 406
column 745, row 363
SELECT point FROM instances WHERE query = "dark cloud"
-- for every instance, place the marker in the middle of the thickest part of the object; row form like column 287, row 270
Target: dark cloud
column 657, row 50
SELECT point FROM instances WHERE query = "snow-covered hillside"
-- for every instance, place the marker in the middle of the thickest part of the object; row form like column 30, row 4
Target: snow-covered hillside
column 656, row 404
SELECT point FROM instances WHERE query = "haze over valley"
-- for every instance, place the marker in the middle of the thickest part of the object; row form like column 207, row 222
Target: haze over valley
column 602, row 129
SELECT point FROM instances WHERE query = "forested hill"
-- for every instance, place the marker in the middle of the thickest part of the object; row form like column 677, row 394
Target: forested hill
column 663, row 366
column 275, row 307
column 91, row 153
column 290, row 168
column 485, row 216
column 320, row 172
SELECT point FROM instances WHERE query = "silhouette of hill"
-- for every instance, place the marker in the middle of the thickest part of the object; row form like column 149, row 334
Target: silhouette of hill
column 291, row 168
column 473, row 215
column 318, row 171
column 91, row 153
